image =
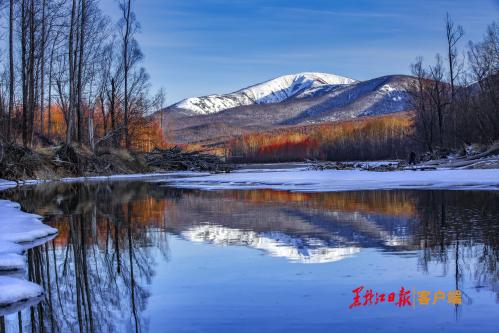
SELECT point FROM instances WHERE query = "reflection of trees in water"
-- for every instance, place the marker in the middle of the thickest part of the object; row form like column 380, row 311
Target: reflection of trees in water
column 96, row 271
column 460, row 231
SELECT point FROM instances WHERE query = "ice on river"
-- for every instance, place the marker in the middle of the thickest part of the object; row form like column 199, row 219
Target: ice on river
column 18, row 231
column 13, row 290
column 301, row 180
column 17, row 226
column 5, row 184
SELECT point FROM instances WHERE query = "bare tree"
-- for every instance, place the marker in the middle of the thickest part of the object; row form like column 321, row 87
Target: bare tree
column 438, row 95
column 424, row 119
column 454, row 34
column 42, row 66
column 11, row 69
column 159, row 103
column 71, row 48
column 79, row 88
column 129, row 27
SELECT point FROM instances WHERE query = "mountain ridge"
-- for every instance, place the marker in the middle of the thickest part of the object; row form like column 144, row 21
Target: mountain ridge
column 272, row 91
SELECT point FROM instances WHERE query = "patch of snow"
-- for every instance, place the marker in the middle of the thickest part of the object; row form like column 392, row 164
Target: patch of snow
column 141, row 176
column 387, row 88
column 11, row 262
column 5, row 184
column 318, row 90
column 9, row 247
column 13, row 290
column 345, row 180
column 18, row 227
column 18, row 231
column 118, row 177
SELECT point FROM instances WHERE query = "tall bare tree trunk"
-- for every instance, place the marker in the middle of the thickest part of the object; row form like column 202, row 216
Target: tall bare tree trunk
column 126, row 68
column 454, row 35
column 31, row 72
column 112, row 110
column 69, row 132
column 79, row 107
column 11, row 68
column 104, row 120
column 24, row 65
column 49, row 120
column 42, row 69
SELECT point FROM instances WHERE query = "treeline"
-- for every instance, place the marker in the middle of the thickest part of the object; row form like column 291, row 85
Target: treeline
column 456, row 99
column 69, row 74
column 371, row 138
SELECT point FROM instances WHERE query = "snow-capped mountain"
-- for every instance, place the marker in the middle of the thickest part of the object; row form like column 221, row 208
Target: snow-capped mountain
column 273, row 91
column 300, row 99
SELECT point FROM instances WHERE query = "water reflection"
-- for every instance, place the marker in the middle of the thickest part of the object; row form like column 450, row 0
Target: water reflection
column 97, row 272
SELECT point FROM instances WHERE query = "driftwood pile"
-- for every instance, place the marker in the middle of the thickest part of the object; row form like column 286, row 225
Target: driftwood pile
column 325, row 165
column 66, row 157
column 80, row 161
column 175, row 159
column 19, row 162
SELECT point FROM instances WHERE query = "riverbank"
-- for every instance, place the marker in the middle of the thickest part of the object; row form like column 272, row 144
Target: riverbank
column 19, row 163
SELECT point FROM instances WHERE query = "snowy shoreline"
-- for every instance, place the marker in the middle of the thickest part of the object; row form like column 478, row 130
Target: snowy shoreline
column 302, row 180
column 19, row 231
column 299, row 177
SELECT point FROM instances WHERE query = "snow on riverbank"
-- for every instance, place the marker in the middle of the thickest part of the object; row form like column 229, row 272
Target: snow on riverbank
column 5, row 184
column 344, row 180
column 13, row 290
column 17, row 226
column 18, row 231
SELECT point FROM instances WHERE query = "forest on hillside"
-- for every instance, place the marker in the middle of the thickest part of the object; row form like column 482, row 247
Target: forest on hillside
column 371, row 138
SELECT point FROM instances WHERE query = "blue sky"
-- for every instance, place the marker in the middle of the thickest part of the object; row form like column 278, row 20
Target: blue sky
column 199, row 47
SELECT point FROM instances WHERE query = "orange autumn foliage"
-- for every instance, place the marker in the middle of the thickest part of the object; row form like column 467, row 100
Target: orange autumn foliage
column 361, row 139
column 145, row 132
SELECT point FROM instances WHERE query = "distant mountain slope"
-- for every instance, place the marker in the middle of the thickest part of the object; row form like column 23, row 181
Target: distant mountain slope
column 302, row 99
column 387, row 94
column 273, row 91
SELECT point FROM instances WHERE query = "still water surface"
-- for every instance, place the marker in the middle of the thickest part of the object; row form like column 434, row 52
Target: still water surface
column 139, row 256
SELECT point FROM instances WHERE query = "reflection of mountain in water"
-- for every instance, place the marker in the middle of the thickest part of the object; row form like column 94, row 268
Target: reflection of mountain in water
column 308, row 230
column 277, row 244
